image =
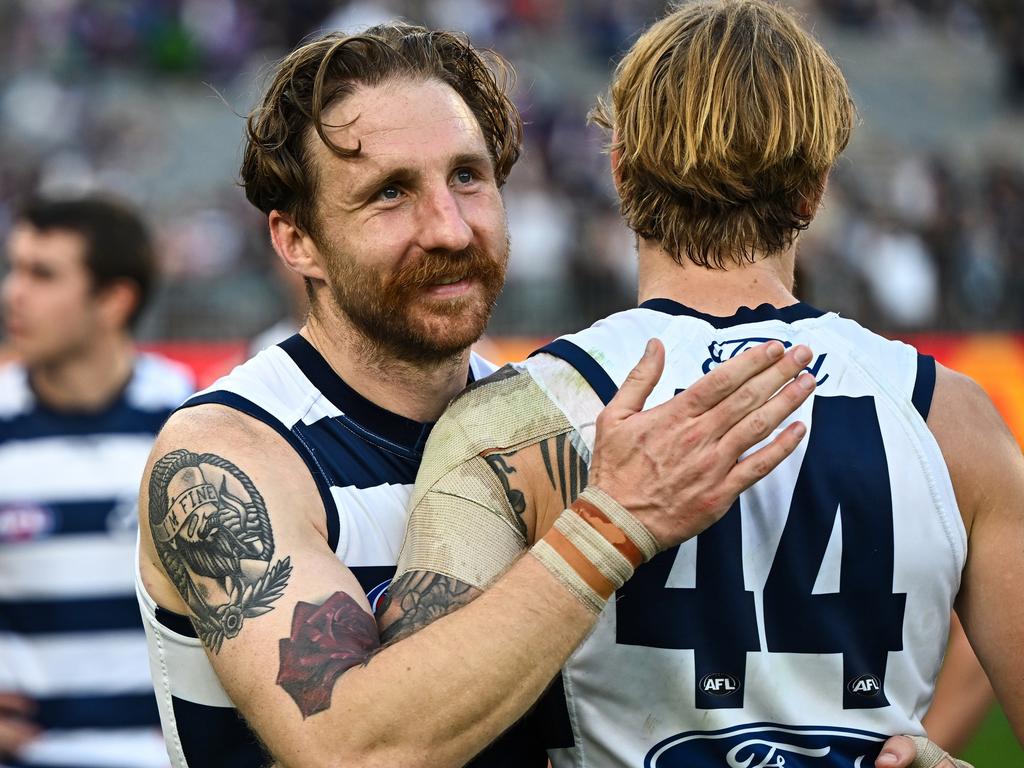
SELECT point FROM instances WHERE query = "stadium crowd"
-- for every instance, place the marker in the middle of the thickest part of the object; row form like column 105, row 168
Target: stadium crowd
column 144, row 98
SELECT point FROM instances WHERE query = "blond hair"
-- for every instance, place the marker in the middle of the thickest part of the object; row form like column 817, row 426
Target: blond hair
column 726, row 118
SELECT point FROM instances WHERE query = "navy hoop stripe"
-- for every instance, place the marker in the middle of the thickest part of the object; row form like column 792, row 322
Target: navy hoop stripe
column 239, row 403
column 924, row 384
column 588, row 367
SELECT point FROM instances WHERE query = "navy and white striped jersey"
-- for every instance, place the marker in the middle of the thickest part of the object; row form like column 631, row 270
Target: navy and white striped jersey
column 809, row 623
column 364, row 460
column 70, row 634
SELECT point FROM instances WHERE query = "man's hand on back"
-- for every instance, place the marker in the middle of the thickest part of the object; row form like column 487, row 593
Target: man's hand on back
column 676, row 467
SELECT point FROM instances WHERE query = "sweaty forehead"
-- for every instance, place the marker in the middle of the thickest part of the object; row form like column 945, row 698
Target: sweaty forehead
column 417, row 119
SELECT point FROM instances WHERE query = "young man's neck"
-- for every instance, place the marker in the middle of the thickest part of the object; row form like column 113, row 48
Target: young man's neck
column 419, row 392
column 719, row 292
column 89, row 379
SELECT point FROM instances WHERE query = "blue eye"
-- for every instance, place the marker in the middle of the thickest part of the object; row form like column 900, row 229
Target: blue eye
column 389, row 192
column 464, row 175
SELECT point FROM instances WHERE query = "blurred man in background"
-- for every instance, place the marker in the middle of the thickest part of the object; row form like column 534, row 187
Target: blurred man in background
column 78, row 412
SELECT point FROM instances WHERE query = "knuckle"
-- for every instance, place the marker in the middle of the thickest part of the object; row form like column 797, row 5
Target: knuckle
column 759, row 424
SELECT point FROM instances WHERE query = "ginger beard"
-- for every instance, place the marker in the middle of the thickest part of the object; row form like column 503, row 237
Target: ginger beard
column 397, row 314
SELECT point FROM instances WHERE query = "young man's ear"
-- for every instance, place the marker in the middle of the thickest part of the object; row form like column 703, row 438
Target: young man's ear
column 615, row 157
column 116, row 302
column 809, row 204
column 295, row 246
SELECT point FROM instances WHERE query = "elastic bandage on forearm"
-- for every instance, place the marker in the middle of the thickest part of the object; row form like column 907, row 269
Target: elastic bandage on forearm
column 594, row 547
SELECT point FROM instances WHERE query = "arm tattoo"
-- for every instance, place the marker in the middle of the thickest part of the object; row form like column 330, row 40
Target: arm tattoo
column 569, row 466
column 422, row 597
column 326, row 640
column 516, row 499
column 212, row 532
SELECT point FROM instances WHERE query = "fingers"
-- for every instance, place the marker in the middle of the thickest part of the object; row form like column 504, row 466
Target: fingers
column 712, row 389
column 756, row 426
column 897, row 752
column 764, row 460
column 750, row 395
column 639, row 384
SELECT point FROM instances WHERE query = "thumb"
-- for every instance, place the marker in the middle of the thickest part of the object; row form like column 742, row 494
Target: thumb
column 639, row 383
column 897, row 752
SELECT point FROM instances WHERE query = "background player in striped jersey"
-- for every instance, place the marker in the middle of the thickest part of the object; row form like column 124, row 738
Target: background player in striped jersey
column 812, row 618
column 78, row 413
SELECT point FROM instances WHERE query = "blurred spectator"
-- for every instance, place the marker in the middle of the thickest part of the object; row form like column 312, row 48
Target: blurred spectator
column 134, row 96
column 78, row 413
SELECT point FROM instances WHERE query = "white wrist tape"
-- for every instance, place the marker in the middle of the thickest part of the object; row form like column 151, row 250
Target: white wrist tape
column 594, row 547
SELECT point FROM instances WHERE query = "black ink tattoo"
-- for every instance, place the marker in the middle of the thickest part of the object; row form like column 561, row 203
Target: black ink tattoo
column 515, row 497
column 325, row 641
column 420, row 597
column 568, row 464
column 212, row 532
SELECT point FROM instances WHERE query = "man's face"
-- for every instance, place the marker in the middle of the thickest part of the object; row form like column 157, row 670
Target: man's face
column 49, row 307
column 413, row 230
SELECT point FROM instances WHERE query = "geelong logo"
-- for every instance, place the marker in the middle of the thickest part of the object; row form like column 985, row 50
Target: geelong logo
column 765, row 745
column 865, row 685
column 719, row 684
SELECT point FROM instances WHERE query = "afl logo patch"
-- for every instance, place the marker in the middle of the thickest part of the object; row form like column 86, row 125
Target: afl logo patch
column 719, row 684
column 25, row 522
column 865, row 685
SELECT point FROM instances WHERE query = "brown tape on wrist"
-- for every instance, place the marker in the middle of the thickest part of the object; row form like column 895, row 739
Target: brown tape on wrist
column 600, row 522
column 579, row 563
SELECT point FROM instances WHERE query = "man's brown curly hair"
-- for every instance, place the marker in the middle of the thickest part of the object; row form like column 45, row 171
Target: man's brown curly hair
column 727, row 118
column 278, row 171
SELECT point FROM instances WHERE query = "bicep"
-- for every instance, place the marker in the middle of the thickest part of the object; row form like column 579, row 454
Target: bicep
column 987, row 469
column 281, row 618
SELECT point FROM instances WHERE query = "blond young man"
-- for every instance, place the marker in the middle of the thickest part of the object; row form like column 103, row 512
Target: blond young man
column 809, row 623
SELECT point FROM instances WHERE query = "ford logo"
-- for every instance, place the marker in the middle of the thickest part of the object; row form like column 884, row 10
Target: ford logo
column 765, row 745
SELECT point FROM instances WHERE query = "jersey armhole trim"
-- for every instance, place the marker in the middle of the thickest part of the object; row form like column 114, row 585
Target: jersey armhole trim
column 924, row 385
column 239, row 403
column 175, row 622
column 587, row 366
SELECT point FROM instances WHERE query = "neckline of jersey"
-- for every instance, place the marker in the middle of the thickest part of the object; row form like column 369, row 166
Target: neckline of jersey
column 743, row 315
column 365, row 414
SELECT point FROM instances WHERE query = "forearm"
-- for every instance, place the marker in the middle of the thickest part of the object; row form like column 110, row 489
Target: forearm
column 441, row 695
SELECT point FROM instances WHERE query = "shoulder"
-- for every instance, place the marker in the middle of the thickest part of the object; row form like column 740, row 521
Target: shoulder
column 252, row 448
column 159, row 383
column 15, row 394
column 982, row 455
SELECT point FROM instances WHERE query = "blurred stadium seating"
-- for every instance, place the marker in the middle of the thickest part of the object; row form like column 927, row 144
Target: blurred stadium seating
column 922, row 229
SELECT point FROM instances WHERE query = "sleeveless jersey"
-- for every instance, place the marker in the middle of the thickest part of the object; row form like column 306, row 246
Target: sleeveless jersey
column 70, row 634
column 810, row 622
column 363, row 459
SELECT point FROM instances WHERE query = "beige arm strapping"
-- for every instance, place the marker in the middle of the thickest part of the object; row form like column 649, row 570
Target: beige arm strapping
column 930, row 755
column 461, row 524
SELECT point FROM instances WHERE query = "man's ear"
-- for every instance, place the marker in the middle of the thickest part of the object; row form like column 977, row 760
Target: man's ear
column 809, row 203
column 615, row 157
column 116, row 302
column 295, row 246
